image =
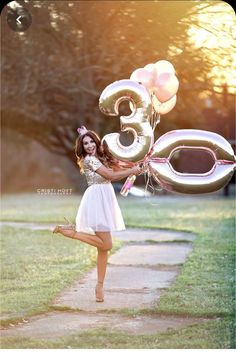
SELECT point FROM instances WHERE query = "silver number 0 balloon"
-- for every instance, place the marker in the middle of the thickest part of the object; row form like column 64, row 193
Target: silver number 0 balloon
column 169, row 179
column 138, row 122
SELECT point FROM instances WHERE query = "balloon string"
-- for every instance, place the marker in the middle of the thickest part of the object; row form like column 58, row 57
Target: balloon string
column 155, row 116
column 149, row 183
column 155, row 119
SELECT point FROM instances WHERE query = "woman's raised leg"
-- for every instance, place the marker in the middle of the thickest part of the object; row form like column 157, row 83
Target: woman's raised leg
column 93, row 240
column 102, row 240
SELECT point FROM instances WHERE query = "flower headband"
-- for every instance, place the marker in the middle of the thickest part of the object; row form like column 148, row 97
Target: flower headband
column 82, row 130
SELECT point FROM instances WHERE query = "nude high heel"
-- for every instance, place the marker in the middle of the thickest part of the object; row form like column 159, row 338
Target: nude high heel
column 70, row 226
column 99, row 292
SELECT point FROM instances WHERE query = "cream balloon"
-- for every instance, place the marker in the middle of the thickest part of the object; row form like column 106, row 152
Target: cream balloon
column 138, row 122
column 162, row 171
column 163, row 108
column 166, row 86
column 164, row 66
column 151, row 68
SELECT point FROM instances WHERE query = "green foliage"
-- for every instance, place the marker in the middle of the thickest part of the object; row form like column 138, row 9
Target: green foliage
column 205, row 286
column 36, row 266
column 211, row 335
column 39, row 208
column 90, row 44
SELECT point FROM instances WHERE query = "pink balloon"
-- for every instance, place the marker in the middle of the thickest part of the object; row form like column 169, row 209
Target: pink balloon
column 143, row 76
column 166, row 86
column 151, row 68
column 163, row 108
column 164, row 66
column 163, row 78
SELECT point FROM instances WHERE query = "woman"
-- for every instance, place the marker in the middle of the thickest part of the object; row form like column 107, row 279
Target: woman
column 99, row 212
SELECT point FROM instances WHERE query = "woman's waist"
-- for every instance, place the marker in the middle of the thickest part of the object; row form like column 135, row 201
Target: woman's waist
column 107, row 182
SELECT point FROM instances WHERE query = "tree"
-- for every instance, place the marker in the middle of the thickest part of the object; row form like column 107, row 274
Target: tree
column 54, row 73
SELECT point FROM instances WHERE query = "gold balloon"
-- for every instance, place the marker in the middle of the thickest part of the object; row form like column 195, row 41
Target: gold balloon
column 138, row 122
column 162, row 171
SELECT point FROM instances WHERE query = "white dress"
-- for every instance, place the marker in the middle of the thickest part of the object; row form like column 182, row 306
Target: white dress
column 99, row 210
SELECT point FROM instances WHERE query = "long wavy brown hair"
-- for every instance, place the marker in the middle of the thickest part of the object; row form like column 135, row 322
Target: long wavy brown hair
column 102, row 152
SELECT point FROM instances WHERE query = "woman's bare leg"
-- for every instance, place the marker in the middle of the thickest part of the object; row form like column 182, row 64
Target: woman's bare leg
column 102, row 257
column 103, row 242
column 93, row 240
column 103, row 254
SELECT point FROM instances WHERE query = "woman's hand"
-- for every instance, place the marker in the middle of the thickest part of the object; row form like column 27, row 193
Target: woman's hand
column 136, row 170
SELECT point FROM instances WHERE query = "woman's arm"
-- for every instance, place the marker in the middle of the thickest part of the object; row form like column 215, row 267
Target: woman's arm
column 112, row 175
column 125, row 164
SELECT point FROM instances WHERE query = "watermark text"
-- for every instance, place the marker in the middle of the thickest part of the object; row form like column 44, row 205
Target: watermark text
column 54, row 191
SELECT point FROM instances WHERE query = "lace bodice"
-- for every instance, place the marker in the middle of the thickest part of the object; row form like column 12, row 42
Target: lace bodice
column 91, row 164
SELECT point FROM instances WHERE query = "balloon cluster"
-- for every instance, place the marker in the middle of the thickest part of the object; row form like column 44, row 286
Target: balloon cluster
column 151, row 91
column 161, row 82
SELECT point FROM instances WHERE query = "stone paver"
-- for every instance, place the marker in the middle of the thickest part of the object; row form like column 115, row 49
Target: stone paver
column 85, row 299
column 56, row 324
column 136, row 276
column 155, row 254
column 126, row 287
column 158, row 235
column 130, row 286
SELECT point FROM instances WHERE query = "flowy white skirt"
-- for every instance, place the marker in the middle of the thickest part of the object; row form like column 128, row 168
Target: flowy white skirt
column 99, row 210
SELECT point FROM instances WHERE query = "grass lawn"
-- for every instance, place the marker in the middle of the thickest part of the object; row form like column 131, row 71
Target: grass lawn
column 36, row 266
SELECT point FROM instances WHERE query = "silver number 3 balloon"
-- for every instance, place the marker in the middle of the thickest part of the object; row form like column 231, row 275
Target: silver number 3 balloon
column 157, row 156
column 138, row 122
